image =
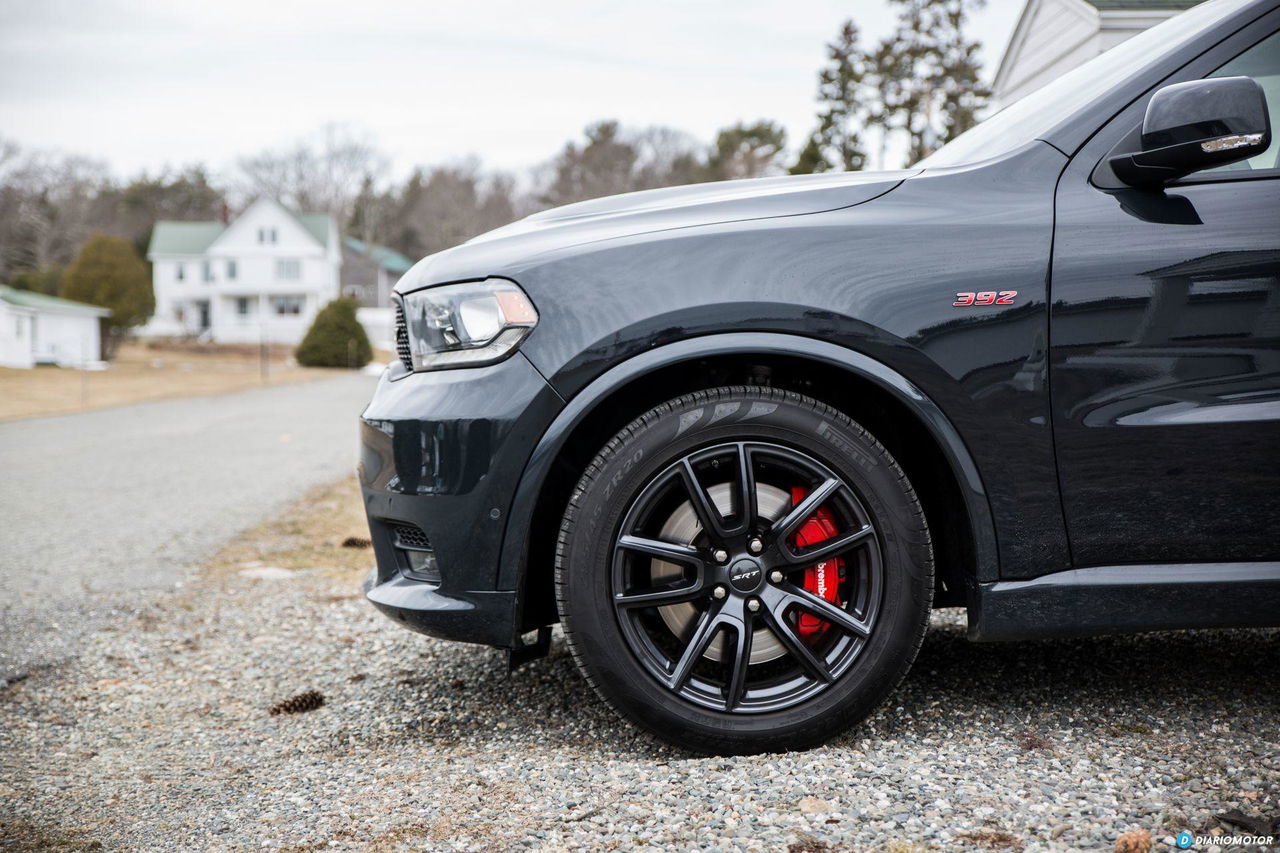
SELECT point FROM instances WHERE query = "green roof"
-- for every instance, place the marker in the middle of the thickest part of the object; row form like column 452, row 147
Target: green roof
column 387, row 258
column 194, row 238
column 1136, row 5
column 40, row 302
column 317, row 224
column 183, row 238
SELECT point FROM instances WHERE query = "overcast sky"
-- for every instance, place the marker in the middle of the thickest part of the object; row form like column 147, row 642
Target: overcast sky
column 149, row 83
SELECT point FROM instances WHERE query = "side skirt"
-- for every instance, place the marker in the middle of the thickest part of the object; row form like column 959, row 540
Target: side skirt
column 1128, row 599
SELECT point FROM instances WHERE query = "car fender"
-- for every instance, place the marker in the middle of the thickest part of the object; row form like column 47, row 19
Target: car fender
column 974, row 494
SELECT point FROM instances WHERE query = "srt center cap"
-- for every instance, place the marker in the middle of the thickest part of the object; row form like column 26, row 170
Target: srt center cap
column 745, row 574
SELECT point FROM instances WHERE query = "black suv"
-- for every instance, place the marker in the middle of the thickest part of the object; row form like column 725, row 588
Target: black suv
column 739, row 438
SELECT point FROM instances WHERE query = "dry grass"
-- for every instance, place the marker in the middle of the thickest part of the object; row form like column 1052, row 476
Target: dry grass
column 992, row 839
column 146, row 372
column 307, row 535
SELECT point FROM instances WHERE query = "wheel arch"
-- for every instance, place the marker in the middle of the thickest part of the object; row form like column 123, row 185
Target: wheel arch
column 872, row 393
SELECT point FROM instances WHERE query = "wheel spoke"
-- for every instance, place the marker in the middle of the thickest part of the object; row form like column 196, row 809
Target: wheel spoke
column 827, row 548
column 704, row 632
column 708, row 516
column 740, row 661
column 673, row 551
column 693, row 628
column 746, row 491
column 824, row 609
column 659, row 597
column 801, row 511
column 804, row 656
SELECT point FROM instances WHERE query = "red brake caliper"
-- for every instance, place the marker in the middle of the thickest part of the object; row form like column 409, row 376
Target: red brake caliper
column 823, row 579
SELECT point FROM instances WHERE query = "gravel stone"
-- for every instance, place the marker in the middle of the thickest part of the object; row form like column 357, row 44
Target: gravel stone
column 158, row 737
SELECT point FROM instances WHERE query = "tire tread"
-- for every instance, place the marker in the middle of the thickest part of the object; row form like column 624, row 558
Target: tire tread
column 819, row 730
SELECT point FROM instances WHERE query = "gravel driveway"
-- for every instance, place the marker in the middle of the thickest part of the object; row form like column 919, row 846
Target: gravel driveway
column 159, row 738
column 99, row 505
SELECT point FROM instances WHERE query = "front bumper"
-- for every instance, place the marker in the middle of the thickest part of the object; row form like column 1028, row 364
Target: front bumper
column 443, row 452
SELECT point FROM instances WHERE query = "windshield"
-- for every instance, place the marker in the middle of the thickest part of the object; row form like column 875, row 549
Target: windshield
column 1033, row 116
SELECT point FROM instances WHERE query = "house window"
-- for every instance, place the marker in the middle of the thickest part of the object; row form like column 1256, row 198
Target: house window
column 243, row 306
column 18, row 327
column 286, row 306
column 231, row 270
column 207, row 269
column 180, row 272
column 288, row 269
column 266, row 235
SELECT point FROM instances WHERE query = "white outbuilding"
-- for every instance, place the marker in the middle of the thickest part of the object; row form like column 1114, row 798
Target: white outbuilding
column 1054, row 36
column 38, row 329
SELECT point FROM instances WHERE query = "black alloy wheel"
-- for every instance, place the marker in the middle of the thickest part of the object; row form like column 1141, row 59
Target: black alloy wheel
column 744, row 569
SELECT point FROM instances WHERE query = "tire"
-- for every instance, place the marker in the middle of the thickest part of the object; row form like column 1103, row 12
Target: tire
column 748, row 650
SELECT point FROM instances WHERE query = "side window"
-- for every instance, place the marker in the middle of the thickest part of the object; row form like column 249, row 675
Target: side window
column 1262, row 63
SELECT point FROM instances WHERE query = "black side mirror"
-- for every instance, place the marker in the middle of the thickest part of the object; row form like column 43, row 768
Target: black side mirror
column 1196, row 125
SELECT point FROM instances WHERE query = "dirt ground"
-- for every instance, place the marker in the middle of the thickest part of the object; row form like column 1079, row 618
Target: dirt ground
column 143, row 372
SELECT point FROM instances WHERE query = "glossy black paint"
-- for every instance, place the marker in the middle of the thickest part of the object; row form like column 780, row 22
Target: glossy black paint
column 825, row 276
column 1118, row 599
column 1186, row 124
column 437, row 455
column 1128, row 395
column 730, row 344
column 1166, row 358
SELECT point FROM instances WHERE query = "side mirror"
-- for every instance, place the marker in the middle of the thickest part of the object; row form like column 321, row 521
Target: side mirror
column 1196, row 125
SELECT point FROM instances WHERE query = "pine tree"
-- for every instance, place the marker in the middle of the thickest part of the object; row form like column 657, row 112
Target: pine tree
column 921, row 86
column 837, row 144
column 109, row 273
column 335, row 339
column 928, row 74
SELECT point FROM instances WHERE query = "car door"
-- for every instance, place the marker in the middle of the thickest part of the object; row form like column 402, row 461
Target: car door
column 1165, row 345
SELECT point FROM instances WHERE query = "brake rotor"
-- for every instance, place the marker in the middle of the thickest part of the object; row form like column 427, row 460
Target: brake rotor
column 683, row 526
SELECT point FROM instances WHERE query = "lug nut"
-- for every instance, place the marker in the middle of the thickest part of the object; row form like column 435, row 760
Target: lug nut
column 753, row 605
column 756, row 546
column 719, row 592
column 720, row 554
column 775, row 576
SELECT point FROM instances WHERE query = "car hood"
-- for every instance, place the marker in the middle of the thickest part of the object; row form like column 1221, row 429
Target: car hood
column 649, row 211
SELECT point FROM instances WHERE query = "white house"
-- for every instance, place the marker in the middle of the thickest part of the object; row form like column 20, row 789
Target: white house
column 261, row 277
column 1054, row 36
column 38, row 329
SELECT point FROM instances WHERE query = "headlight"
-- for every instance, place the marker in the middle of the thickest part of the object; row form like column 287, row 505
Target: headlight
column 465, row 325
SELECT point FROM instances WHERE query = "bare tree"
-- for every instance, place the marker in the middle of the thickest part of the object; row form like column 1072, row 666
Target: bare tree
column 443, row 206
column 614, row 159
column 322, row 173
column 665, row 157
column 49, row 205
column 746, row 150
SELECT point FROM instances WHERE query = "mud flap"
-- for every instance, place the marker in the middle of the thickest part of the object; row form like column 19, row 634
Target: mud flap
column 523, row 652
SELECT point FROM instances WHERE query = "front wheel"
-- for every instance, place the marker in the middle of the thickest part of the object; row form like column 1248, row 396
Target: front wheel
column 744, row 570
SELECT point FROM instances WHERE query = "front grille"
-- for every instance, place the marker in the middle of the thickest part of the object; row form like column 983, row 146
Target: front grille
column 408, row 536
column 402, row 339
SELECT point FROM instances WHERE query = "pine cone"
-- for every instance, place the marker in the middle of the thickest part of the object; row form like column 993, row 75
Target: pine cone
column 1138, row 841
column 301, row 703
column 356, row 542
